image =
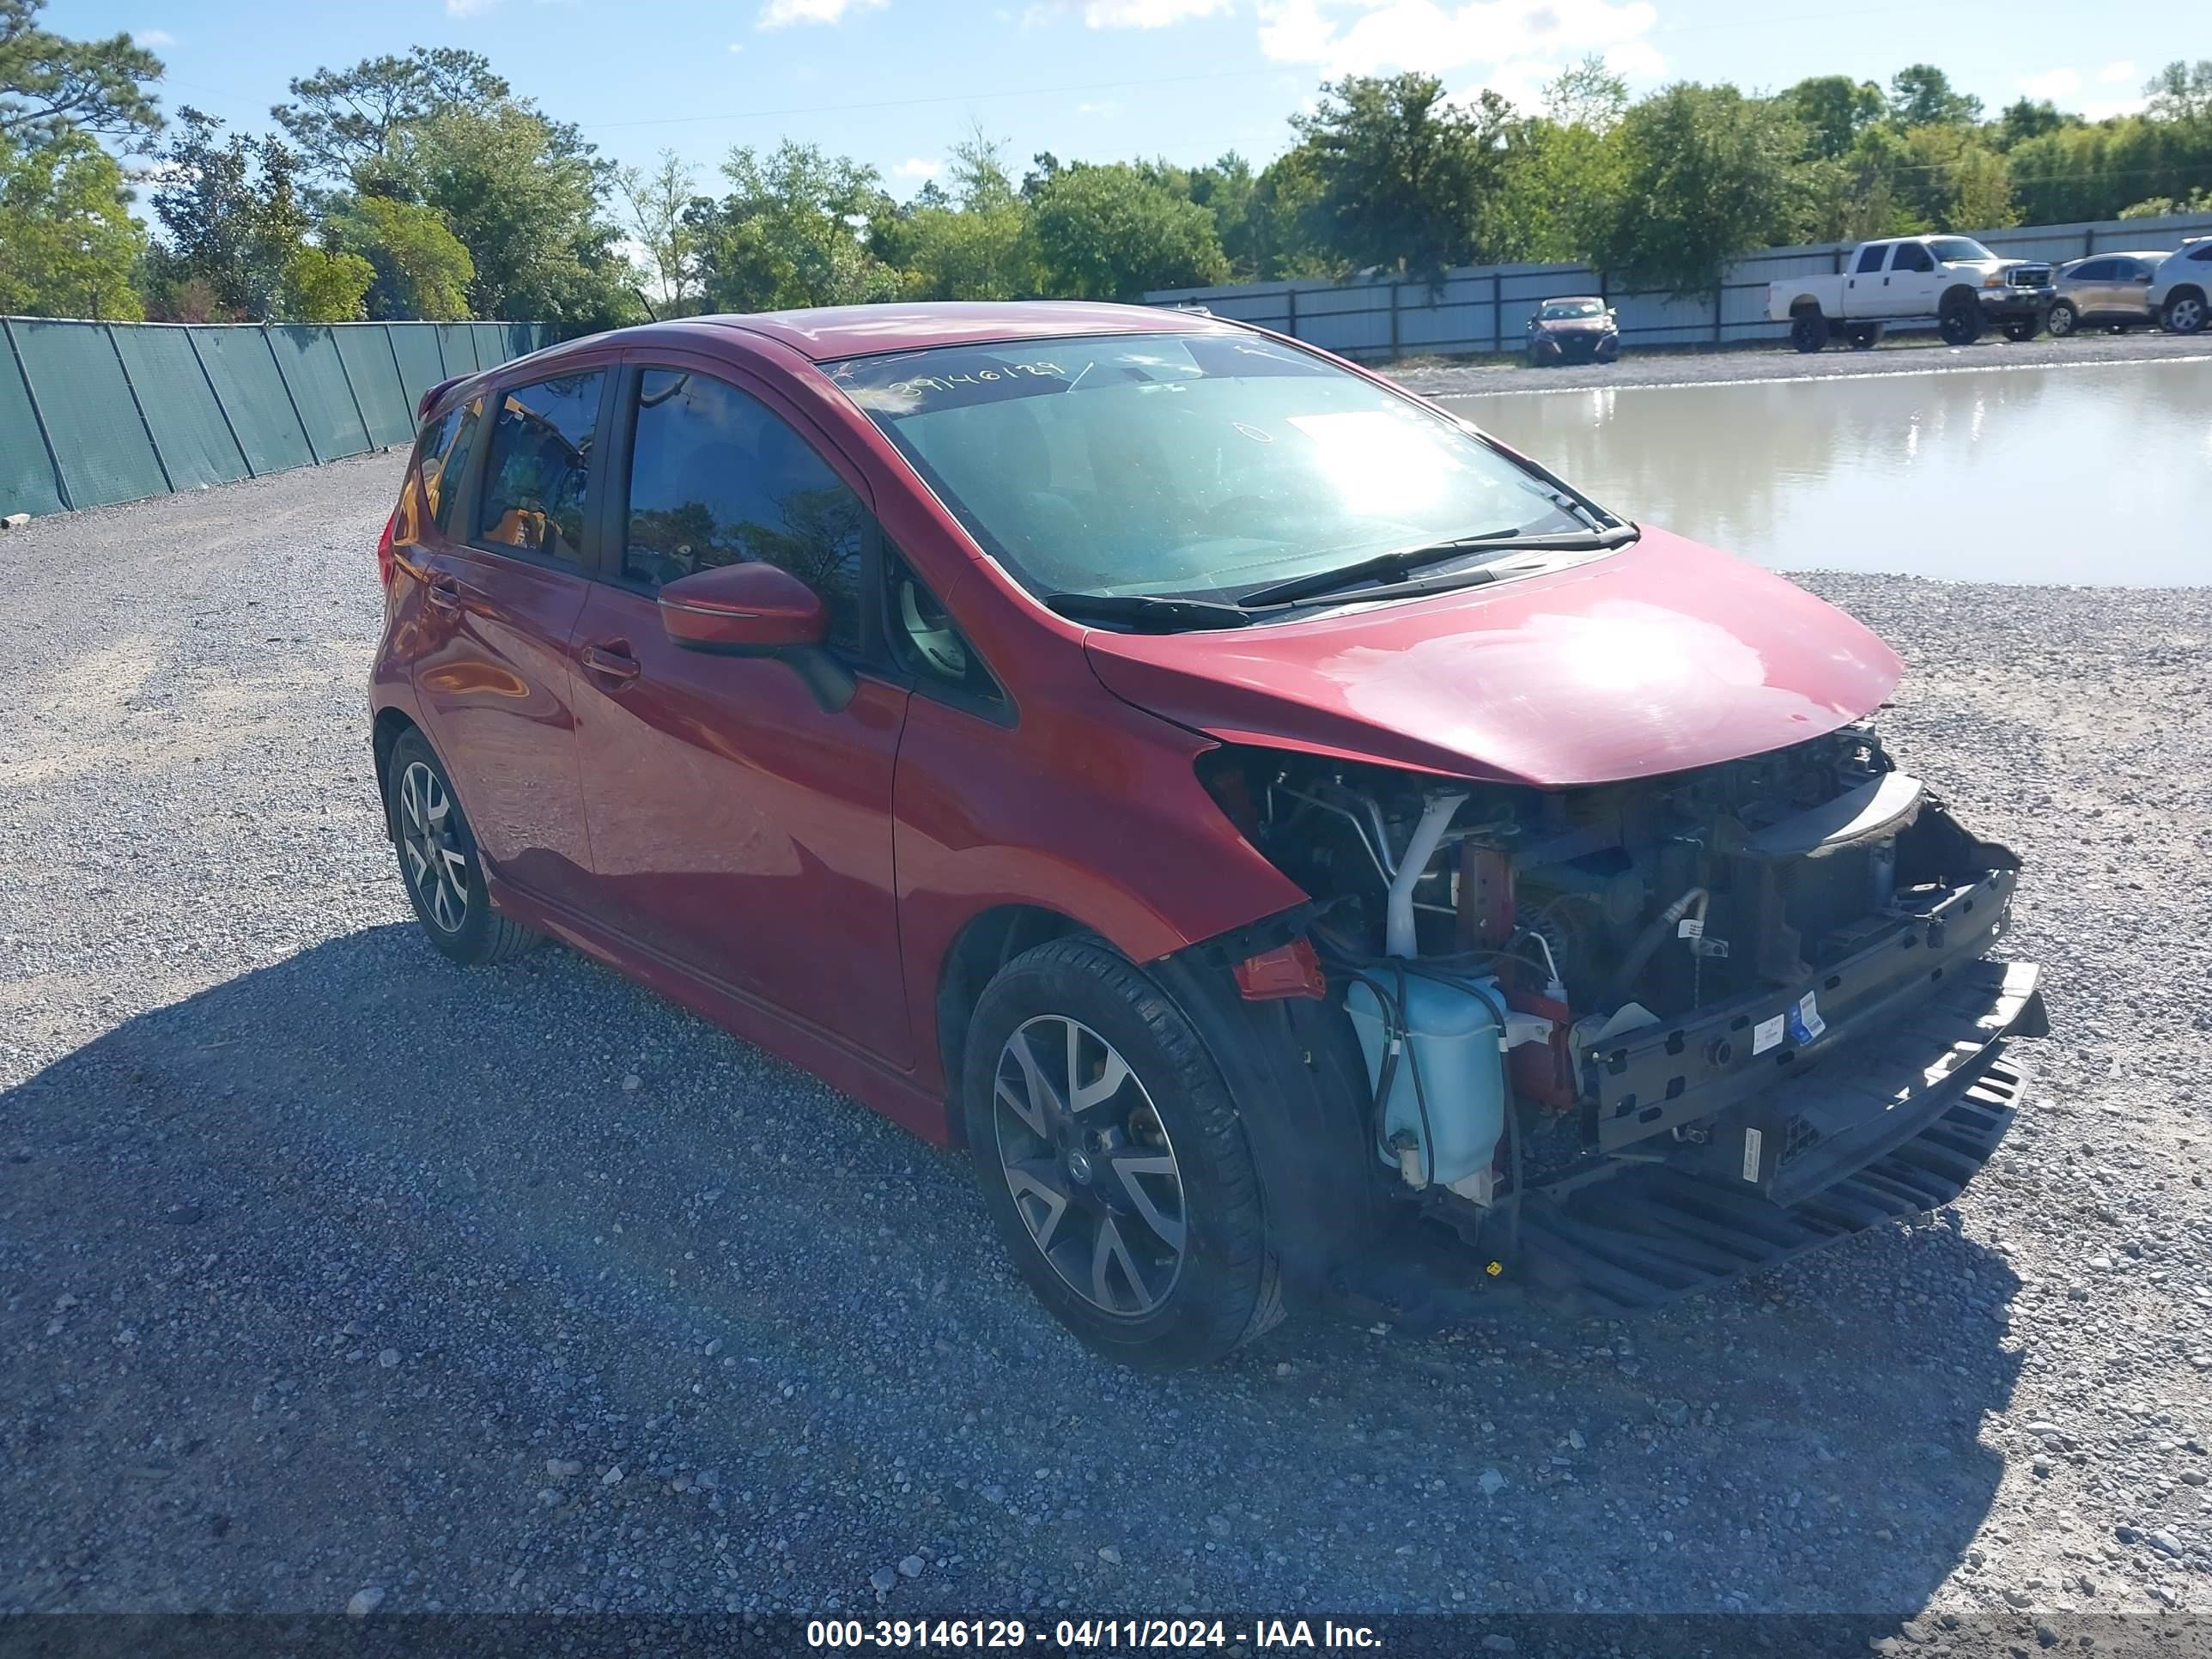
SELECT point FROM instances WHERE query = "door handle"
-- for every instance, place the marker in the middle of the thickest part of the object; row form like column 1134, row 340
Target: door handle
column 610, row 662
column 442, row 590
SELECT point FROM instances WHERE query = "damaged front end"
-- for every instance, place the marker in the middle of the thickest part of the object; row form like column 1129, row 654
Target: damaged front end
column 1632, row 1037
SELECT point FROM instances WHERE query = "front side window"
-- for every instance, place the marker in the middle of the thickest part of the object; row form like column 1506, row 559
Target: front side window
column 1194, row 465
column 716, row 478
column 2097, row 271
column 540, row 461
column 1870, row 258
column 2203, row 255
column 1911, row 256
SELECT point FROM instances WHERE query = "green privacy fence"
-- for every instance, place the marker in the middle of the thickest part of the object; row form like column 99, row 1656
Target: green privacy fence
column 93, row 413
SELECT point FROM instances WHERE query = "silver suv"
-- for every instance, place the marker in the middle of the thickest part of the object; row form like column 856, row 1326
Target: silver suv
column 2105, row 289
column 2178, row 287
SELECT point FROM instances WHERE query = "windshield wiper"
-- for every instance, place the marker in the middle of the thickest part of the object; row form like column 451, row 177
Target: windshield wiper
column 1396, row 565
column 1150, row 613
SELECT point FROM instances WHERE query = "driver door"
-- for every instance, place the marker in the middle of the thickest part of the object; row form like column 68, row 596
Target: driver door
column 1913, row 277
column 738, row 829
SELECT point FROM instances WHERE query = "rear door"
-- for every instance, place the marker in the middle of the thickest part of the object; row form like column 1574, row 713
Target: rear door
column 506, row 584
column 739, row 829
column 1863, row 292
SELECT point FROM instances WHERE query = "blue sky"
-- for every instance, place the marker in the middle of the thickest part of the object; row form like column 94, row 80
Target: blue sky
column 896, row 82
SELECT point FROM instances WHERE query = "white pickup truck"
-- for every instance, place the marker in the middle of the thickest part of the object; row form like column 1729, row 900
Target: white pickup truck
column 1955, row 280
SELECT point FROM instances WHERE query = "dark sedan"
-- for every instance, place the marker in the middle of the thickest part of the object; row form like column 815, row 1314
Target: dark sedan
column 1576, row 329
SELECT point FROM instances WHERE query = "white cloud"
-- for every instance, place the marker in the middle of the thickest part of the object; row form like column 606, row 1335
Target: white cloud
column 1519, row 43
column 737, row 45
column 2123, row 71
column 2051, row 83
column 917, row 166
column 777, row 13
column 468, row 7
column 1148, row 13
column 2094, row 111
column 154, row 38
column 1104, row 107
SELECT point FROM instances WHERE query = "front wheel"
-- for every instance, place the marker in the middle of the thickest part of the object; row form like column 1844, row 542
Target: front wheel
column 440, row 864
column 1959, row 323
column 2185, row 313
column 1864, row 337
column 1809, row 331
column 2021, row 332
column 1113, row 1161
column 2061, row 319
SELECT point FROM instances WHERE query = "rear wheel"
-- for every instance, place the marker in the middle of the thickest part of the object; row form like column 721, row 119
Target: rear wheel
column 440, row 864
column 2061, row 319
column 1809, row 331
column 1113, row 1161
column 1959, row 322
column 2185, row 313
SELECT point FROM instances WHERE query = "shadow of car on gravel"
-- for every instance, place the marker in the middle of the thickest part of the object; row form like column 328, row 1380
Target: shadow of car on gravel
column 426, row 1230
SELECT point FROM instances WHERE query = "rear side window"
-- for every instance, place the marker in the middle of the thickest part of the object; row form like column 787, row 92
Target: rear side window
column 716, row 478
column 534, row 490
column 442, row 460
column 1870, row 259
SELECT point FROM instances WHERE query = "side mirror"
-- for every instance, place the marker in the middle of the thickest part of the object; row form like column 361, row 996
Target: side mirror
column 742, row 609
column 758, row 609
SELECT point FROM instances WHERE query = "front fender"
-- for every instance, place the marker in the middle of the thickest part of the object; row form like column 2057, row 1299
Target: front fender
column 1120, row 839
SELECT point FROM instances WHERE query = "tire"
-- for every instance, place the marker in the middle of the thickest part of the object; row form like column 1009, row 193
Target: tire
column 1959, row 322
column 2185, row 313
column 1192, row 1278
column 1809, row 331
column 2062, row 320
column 2019, row 334
column 1863, row 337
column 439, row 863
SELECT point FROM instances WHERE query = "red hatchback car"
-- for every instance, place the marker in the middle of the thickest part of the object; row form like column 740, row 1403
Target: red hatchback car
column 1288, row 837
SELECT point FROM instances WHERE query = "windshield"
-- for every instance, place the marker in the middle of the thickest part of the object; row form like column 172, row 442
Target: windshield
column 1189, row 465
column 1560, row 310
column 1957, row 250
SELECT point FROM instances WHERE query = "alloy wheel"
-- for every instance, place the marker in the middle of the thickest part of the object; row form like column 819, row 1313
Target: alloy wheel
column 430, row 846
column 1090, row 1165
column 2060, row 322
column 2186, row 316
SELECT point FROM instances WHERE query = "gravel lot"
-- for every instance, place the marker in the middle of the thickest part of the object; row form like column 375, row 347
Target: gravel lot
column 326, row 1268
column 1910, row 354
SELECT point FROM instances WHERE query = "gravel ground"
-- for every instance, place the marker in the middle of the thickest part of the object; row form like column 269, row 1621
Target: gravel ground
column 1911, row 354
column 329, row 1271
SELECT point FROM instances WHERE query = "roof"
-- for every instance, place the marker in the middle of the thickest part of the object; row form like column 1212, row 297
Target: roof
column 829, row 332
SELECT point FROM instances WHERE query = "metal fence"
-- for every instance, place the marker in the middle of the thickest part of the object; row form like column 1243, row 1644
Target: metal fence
column 1485, row 308
column 92, row 413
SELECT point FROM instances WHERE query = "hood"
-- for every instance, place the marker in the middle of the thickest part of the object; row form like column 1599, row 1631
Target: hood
column 1663, row 656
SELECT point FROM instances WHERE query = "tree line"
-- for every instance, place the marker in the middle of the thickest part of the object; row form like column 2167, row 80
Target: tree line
column 423, row 184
